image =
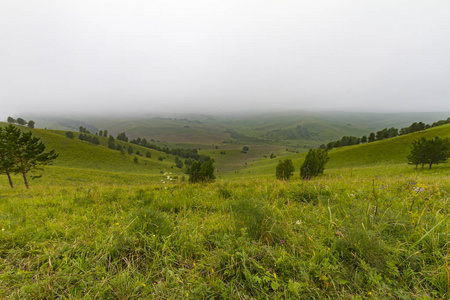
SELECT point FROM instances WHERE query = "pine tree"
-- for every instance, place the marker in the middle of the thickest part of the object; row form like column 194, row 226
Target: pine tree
column 20, row 152
column 8, row 136
column 314, row 163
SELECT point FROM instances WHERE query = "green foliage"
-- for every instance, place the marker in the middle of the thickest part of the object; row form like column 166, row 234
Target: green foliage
column 22, row 153
column 314, row 163
column 70, row 135
column 31, row 124
column 11, row 120
column 285, row 169
column 84, row 130
column 433, row 151
column 178, row 162
column 122, row 137
column 8, row 137
column 111, row 143
column 130, row 150
column 21, row 121
column 202, row 172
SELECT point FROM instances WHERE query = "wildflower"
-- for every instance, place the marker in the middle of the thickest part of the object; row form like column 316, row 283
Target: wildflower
column 298, row 222
column 281, row 242
column 212, row 270
column 143, row 284
column 117, row 223
column 274, row 275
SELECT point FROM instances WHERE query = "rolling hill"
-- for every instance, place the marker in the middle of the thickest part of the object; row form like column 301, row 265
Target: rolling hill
column 299, row 130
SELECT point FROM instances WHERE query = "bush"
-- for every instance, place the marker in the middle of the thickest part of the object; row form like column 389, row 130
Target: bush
column 285, row 169
column 314, row 163
column 70, row 134
column 201, row 171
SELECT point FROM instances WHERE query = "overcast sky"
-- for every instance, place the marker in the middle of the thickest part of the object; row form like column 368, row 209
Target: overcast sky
column 224, row 55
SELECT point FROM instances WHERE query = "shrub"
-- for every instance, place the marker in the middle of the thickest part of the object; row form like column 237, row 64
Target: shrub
column 202, row 171
column 314, row 163
column 285, row 169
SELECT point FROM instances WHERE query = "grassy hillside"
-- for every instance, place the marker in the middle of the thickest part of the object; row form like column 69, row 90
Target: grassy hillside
column 99, row 226
column 381, row 153
column 77, row 154
column 299, row 130
column 366, row 235
column 389, row 151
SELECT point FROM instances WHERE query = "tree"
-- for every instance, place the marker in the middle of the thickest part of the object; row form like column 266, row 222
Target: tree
column 130, row 150
column 111, row 143
column 438, row 151
column 11, row 120
column 23, row 152
column 285, row 169
column 245, row 149
column 31, row 124
column 136, row 160
column 371, row 137
column 202, row 171
column 178, row 162
column 364, row 139
column 8, row 136
column 21, row 121
column 122, row 137
column 148, row 154
column 314, row 163
column 433, row 151
column 70, row 134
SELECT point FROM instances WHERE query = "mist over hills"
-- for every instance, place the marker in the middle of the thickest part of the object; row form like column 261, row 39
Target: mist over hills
column 298, row 129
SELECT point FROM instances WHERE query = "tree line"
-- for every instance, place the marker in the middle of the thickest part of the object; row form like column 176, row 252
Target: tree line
column 385, row 133
column 22, row 122
column 21, row 153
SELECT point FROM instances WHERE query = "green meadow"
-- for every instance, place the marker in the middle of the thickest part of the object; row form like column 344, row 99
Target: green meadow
column 98, row 225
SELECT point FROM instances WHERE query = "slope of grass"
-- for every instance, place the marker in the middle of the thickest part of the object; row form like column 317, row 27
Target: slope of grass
column 343, row 236
column 74, row 153
column 387, row 151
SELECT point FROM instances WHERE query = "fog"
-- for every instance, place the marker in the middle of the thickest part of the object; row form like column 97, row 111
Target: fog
column 102, row 57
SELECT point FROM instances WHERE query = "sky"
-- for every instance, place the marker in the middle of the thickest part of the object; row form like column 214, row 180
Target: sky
column 147, row 56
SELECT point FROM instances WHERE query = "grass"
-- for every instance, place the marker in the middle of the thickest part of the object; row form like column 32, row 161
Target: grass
column 362, row 237
column 101, row 227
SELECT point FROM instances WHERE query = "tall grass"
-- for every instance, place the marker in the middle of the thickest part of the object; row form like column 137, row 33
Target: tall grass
column 338, row 236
